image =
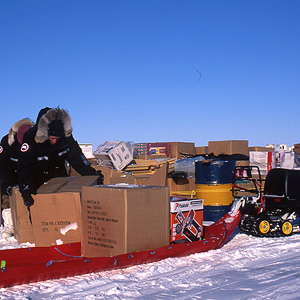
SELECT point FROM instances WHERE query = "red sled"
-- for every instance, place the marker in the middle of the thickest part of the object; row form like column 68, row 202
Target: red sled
column 27, row 265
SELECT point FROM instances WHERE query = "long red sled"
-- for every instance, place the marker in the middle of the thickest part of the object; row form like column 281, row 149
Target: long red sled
column 27, row 265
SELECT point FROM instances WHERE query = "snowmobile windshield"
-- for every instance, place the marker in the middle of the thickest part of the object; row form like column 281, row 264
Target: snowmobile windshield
column 293, row 185
column 275, row 182
column 283, row 182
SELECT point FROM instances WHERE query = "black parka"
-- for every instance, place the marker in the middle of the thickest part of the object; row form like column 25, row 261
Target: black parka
column 8, row 163
column 38, row 162
column 9, row 149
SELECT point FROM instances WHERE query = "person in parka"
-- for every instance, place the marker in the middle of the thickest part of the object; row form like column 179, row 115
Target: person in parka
column 46, row 148
column 9, row 149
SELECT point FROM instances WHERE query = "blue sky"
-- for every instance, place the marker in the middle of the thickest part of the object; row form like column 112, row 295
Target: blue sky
column 155, row 71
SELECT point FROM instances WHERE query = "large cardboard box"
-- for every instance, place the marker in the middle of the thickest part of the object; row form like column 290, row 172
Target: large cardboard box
column 113, row 154
column 186, row 219
column 228, row 147
column 55, row 216
column 121, row 219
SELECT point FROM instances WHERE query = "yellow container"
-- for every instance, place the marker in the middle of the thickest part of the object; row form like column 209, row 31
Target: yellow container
column 215, row 194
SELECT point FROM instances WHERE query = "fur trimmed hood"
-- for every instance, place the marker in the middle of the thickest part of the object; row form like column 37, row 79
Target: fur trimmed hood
column 14, row 129
column 45, row 120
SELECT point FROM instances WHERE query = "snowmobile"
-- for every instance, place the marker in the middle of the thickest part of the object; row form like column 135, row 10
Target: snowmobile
column 270, row 207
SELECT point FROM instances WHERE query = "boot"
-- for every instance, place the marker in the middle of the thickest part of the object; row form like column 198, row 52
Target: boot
column 7, row 223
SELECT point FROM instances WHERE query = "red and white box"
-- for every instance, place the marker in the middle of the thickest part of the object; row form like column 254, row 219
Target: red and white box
column 186, row 219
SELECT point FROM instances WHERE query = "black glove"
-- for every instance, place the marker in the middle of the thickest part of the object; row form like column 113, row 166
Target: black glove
column 27, row 198
column 100, row 178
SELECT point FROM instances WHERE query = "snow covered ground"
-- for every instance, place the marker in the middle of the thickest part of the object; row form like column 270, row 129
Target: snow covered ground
column 245, row 268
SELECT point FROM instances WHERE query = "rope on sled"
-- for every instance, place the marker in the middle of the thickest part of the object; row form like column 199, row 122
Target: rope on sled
column 75, row 256
column 50, row 262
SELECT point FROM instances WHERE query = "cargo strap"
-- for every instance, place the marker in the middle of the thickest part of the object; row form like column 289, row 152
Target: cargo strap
column 50, row 262
column 76, row 256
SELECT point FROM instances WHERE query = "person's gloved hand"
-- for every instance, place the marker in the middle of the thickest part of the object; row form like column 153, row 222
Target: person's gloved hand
column 27, row 198
column 100, row 178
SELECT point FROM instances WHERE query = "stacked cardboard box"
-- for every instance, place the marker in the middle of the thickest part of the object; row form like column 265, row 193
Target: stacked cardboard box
column 264, row 149
column 140, row 148
column 297, row 148
column 261, row 159
column 181, row 150
column 182, row 186
column 143, row 166
column 162, row 149
column 158, row 178
column 201, row 150
column 119, row 219
column 113, row 154
column 284, row 159
column 228, row 147
column 87, row 150
column 152, row 150
column 176, row 150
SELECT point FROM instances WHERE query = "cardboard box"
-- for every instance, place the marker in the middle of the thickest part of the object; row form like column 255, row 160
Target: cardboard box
column 140, row 149
column 284, row 159
column 113, row 154
column 129, row 179
column 56, row 219
column 121, row 219
column 264, row 149
column 297, row 148
column 23, row 230
column 228, row 147
column 182, row 150
column 201, row 150
column 66, row 184
column 261, row 159
column 158, row 149
column 152, row 149
column 186, row 219
column 165, row 149
column 87, row 150
column 181, row 184
column 158, row 178
column 55, row 214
